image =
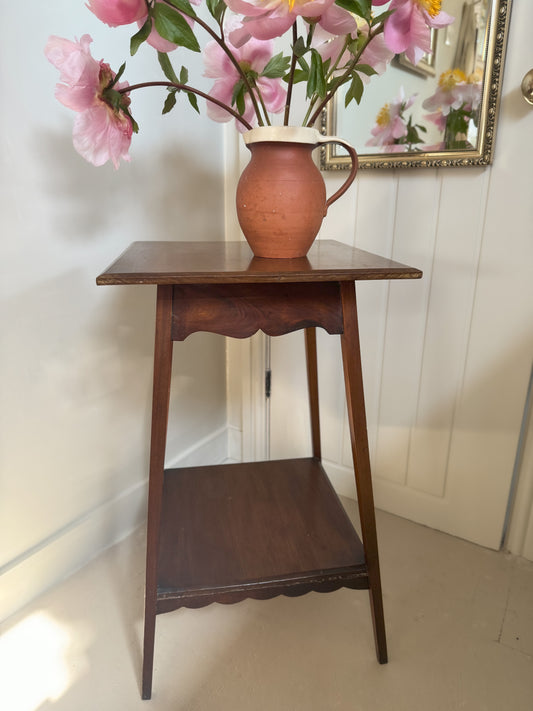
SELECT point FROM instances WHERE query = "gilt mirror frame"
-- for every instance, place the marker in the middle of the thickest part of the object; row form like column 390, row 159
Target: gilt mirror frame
column 479, row 155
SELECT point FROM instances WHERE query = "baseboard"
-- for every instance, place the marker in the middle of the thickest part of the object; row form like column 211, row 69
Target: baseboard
column 234, row 444
column 212, row 449
column 342, row 479
column 69, row 549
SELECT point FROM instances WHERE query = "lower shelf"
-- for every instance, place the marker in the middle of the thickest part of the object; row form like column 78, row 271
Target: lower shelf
column 254, row 530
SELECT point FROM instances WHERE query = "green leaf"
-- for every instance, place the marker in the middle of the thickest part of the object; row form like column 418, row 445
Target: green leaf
column 381, row 18
column 317, row 76
column 183, row 5
column 112, row 97
column 167, row 68
column 118, row 75
column 276, row 67
column 216, row 9
column 300, row 48
column 134, row 124
column 299, row 76
column 303, row 64
column 237, row 98
column 140, row 36
column 173, row 27
column 362, row 8
column 170, row 102
column 184, row 75
column 193, row 101
column 457, row 121
column 365, row 69
column 355, row 90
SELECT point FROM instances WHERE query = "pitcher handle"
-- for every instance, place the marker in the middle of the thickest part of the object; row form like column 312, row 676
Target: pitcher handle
column 322, row 140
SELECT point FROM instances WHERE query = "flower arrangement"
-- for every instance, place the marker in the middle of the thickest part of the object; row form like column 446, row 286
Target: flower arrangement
column 454, row 105
column 393, row 132
column 331, row 43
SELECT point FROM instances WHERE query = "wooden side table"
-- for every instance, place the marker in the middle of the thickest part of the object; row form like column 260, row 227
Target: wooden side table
column 254, row 530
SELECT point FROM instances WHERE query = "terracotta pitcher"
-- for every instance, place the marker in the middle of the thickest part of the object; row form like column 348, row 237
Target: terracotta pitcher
column 281, row 195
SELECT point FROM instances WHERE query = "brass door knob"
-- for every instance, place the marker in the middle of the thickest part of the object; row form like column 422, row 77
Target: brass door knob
column 527, row 87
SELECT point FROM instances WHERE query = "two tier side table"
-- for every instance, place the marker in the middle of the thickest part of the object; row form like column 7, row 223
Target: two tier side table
column 255, row 529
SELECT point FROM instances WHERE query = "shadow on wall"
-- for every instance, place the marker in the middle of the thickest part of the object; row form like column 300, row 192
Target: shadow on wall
column 165, row 194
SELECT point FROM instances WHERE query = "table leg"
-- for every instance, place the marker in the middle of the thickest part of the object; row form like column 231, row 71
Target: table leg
column 312, row 383
column 160, row 405
column 353, row 379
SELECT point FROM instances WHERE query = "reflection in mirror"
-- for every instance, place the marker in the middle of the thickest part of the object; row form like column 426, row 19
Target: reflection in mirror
column 446, row 105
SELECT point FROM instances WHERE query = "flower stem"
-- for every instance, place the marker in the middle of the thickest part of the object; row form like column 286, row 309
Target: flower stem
column 291, row 76
column 220, row 41
column 344, row 78
column 267, row 118
column 190, row 89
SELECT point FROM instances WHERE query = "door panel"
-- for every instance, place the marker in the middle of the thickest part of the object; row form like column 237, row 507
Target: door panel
column 446, row 360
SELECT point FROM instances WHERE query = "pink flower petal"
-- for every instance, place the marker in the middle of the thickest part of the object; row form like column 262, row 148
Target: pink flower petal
column 398, row 26
column 257, row 53
column 378, row 55
column 273, row 93
column 248, row 9
column 118, row 12
column 78, row 71
column 337, row 21
column 100, row 135
column 221, row 90
column 217, row 63
column 263, row 28
column 439, row 21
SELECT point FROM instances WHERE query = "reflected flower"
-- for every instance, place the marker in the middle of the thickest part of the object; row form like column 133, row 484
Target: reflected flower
column 454, row 91
column 390, row 122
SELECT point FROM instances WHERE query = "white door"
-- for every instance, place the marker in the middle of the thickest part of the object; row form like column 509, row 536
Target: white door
column 447, row 359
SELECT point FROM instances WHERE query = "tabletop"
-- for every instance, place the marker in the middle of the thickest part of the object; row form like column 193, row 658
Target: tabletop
column 154, row 262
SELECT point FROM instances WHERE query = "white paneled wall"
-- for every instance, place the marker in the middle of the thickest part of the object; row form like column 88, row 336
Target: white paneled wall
column 446, row 359
column 76, row 360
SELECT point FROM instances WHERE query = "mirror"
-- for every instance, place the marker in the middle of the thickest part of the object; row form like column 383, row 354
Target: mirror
column 467, row 55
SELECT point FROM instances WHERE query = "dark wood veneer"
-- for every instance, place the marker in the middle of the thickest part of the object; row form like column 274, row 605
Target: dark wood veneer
column 255, row 530
column 233, row 262
column 239, row 310
column 258, row 529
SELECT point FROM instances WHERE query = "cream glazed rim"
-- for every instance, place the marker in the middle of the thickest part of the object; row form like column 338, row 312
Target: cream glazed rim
column 290, row 134
column 284, row 134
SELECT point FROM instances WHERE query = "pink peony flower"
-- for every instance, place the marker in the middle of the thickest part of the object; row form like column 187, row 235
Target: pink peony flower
column 437, row 118
column 408, row 29
column 455, row 91
column 78, row 71
column 337, row 21
column 118, row 12
column 265, row 21
column 101, row 134
column 376, row 54
column 390, row 124
column 254, row 56
column 102, row 130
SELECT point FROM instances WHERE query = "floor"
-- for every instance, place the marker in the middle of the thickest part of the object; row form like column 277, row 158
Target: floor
column 459, row 622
